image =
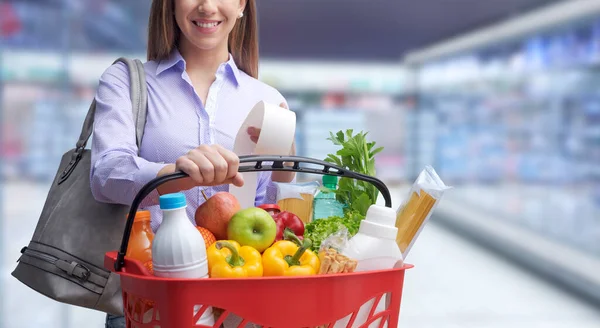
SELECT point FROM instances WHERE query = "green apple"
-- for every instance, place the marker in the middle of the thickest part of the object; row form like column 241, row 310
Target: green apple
column 252, row 227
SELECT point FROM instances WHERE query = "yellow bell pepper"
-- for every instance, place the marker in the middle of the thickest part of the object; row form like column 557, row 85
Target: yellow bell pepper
column 226, row 259
column 290, row 257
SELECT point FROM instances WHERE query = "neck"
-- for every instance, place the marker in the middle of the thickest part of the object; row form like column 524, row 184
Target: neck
column 203, row 63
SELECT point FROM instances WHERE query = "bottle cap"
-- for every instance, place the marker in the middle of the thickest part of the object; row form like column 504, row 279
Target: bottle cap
column 381, row 215
column 172, row 201
column 142, row 216
column 330, row 180
column 380, row 222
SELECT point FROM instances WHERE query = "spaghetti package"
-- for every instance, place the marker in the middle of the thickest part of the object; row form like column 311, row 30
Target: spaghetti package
column 424, row 196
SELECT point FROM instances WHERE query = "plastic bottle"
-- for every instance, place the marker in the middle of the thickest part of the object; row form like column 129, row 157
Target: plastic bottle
column 140, row 240
column 140, row 248
column 375, row 248
column 325, row 204
column 178, row 250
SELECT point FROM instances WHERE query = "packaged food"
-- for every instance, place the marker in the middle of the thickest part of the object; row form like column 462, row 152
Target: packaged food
column 332, row 262
column 297, row 198
column 424, row 196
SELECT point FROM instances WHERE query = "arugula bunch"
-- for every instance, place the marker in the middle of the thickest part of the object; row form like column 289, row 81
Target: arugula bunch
column 358, row 155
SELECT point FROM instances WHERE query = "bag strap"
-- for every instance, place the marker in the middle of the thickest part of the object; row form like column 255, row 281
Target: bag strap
column 139, row 101
column 142, row 102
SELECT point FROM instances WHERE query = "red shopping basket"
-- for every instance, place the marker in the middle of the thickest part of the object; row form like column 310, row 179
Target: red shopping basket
column 281, row 302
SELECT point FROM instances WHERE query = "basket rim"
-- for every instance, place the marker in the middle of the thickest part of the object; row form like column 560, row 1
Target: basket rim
column 148, row 277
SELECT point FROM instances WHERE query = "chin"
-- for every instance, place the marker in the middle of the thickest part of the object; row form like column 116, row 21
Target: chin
column 206, row 44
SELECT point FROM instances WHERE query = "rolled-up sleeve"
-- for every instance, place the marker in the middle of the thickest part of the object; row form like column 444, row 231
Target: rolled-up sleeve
column 117, row 172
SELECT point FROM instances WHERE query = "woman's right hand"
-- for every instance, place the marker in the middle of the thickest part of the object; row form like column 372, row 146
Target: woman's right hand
column 211, row 166
column 206, row 166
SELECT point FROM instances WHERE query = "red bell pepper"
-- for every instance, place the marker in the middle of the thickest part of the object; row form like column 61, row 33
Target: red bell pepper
column 290, row 221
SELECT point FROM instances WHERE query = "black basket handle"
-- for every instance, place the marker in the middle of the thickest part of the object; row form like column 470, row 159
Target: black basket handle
column 251, row 163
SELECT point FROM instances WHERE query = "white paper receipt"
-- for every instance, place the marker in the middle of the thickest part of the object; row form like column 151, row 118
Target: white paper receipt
column 278, row 128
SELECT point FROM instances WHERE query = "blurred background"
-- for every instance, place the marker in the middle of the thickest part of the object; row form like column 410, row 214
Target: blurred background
column 501, row 97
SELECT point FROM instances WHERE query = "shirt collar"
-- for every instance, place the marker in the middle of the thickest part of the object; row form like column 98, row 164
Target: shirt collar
column 175, row 59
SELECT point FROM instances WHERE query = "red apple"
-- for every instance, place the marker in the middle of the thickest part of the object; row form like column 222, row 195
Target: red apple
column 216, row 212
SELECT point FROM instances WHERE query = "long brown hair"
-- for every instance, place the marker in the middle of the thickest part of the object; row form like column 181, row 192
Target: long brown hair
column 164, row 35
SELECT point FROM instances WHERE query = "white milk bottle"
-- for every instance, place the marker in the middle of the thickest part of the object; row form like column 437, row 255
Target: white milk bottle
column 375, row 248
column 178, row 250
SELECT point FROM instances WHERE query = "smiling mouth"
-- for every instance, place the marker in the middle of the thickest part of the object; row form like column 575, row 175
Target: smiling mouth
column 206, row 25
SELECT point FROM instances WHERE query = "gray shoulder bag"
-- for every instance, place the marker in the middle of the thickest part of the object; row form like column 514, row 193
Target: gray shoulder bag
column 65, row 258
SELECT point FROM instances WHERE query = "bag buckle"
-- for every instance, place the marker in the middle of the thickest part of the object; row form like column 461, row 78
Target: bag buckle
column 74, row 269
column 85, row 274
column 77, row 154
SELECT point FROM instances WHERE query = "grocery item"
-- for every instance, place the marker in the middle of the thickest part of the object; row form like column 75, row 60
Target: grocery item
column 319, row 230
column 375, row 248
column 140, row 240
column 208, row 236
column 252, row 227
column 297, row 198
column 272, row 209
column 214, row 214
column 358, row 155
column 287, row 220
column 227, row 259
column 424, row 196
column 325, row 203
column 290, row 257
column 338, row 240
column 140, row 248
column 178, row 250
column 332, row 262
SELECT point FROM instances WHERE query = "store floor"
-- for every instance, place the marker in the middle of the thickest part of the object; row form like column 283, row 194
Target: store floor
column 454, row 283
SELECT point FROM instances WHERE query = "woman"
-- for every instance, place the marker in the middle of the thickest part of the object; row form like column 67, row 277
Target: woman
column 201, row 77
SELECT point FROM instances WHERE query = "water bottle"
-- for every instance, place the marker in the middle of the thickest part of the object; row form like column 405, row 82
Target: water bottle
column 178, row 250
column 325, row 204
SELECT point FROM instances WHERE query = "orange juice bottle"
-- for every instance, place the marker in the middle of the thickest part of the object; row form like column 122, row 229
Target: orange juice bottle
column 140, row 240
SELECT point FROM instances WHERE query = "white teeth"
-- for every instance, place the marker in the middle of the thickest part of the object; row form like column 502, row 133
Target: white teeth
column 206, row 25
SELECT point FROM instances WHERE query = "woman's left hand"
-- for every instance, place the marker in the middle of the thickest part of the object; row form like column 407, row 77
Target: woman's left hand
column 277, row 176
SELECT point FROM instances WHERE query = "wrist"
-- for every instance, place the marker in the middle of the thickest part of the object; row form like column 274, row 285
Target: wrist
column 283, row 176
column 175, row 185
column 168, row 169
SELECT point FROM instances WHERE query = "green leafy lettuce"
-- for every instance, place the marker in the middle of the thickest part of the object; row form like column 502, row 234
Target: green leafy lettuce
column 358, row 155
column 319, row 230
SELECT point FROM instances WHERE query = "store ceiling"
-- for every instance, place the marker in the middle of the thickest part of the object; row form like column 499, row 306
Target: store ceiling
column 381, row 30
column 374, row 30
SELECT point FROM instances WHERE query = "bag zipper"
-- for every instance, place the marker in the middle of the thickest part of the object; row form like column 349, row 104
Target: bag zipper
column 84, row 272
column 39, row 255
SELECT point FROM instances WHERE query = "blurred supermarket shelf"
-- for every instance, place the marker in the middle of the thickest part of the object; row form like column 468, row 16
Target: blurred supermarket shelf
column 571, row 267
column 455, row 283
